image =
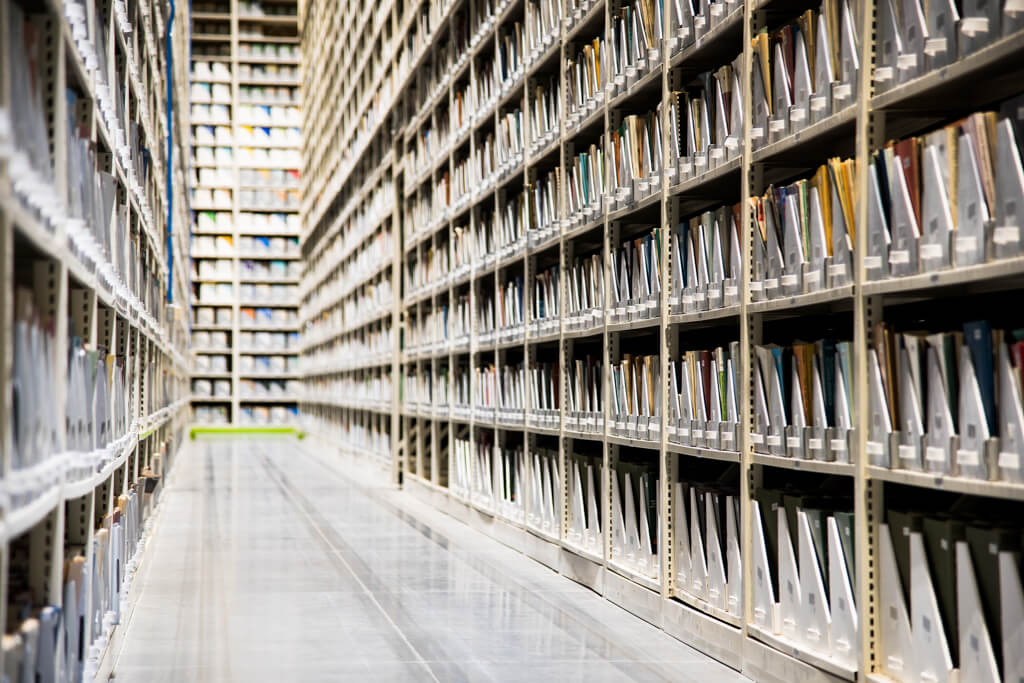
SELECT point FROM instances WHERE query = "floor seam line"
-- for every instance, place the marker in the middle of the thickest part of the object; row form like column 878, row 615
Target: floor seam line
column 366, row 589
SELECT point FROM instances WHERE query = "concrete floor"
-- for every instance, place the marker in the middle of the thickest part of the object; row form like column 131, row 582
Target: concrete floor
column 268, row 564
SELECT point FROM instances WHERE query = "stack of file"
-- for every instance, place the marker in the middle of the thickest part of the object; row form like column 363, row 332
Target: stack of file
column 707, row 261
column 441, row 395
column 462, row 251
column 585, row 530
column 545, row 111
column 544, row 393
column 586, row 293
column 36, row 432
column 511, row 51
column 708, row 559
column 511, row 312
column 585, row 412
column 91, row 194
column 510, row 471
column 486, row 88
column 585, row 78
column 485, row 164
column 210, row 414
column 635, row 149
column 916, row 38
column 635, row 48
column 97, row 411
column 460, row 323
column 804, row 571
column 804, row 71
column 481, row 490
column 805, row 234
column 705, row 123
column 950, row 592
column 462, row 108
column 545, row 18
column 485, row 241
column 636, row 397
column 486, row 323
column 414, row 393
column 205, row 388
column 948, row 198
column 690, row 21
column 636, row 278
column 543, row 198
column 510, row 141
column 586, row 186
column 515, row 217
column 463, row 404
column 544, row 492
column 636, row 526
column 813, row 419
column 703, row 403
column 511, row 394
column 545, row 316
column 461, row 183
column 948, row 402
column 30, row 167
column 485, row 392
column 459, row 480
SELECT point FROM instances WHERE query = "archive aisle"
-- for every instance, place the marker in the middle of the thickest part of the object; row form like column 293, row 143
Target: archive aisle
column 709, row 306
column 245, row 199
column 93, row 235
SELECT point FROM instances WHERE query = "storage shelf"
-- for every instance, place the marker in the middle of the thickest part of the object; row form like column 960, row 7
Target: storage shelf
column 416, row 437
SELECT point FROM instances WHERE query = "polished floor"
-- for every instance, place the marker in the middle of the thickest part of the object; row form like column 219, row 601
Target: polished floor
column 269, row 564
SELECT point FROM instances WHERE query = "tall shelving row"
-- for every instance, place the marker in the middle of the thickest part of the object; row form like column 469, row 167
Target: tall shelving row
column 729, row 438
column 245, row 237
column 94, row 326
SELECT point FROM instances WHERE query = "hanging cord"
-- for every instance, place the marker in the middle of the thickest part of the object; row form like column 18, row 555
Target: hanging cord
column 170, row 159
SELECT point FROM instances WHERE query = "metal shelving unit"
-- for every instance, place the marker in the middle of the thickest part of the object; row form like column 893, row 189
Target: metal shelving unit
column 254, row 166
column 103, row 289
column 382, row 146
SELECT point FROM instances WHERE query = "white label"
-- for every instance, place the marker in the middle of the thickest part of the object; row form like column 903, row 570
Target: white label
column 934, row 454
column 906, row 61
column 966, row 243
column 931, row 251
column 773, row 440
column 965, row 457
column 771, row 283
column 907, row 452
column 732, row 290
column 1006, row 234
column 871, row 262
column 972, row 26
column 873, row 448
column 1009, row 460
column 934, row 46
column 777, row 125
column 837, row 270
column 790, row 280
column 757, row 286
column 837, row 445
column 899, row 257
column 756, row 438
column 815, row 444
column 726, row 437
column 673, row 430
column 793, row 442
